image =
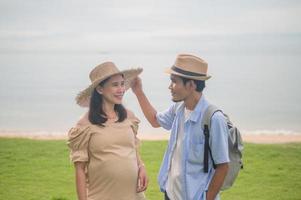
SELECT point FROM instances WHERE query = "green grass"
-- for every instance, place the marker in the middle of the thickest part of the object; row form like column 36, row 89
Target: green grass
column 38, row 170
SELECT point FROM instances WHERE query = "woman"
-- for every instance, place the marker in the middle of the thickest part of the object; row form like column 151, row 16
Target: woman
column 103, row 144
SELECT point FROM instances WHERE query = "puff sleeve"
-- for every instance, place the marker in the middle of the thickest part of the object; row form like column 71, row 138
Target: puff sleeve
column 135, row 126
column 78, row 141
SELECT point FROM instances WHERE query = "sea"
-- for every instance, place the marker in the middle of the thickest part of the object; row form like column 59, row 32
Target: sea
column 255, row 80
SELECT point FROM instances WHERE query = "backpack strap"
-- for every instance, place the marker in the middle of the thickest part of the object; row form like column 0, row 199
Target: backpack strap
column 206, row 149
column 211, row 109
column 206, row 124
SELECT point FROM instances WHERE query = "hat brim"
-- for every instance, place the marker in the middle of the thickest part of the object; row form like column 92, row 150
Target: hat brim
column 83, row 97
column 202, row 78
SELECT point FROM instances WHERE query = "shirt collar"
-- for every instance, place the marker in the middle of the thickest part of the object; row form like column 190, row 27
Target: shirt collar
column 199, row 109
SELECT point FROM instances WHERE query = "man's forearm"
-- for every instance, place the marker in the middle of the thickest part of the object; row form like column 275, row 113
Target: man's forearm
column 217, row 181
column 147, row 109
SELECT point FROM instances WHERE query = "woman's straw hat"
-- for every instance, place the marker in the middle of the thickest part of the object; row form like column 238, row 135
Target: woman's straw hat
column 99, row 74
column 189, row 66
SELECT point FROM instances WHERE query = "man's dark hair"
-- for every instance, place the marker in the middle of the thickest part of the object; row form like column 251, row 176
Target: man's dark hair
column 200, row 85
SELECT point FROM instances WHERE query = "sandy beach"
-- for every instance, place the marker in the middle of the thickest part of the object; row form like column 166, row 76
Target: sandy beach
column 264, row 138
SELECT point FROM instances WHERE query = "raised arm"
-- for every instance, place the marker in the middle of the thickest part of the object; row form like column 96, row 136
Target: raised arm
column 147, row 109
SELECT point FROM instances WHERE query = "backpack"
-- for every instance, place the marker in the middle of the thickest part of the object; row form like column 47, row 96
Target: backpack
column 235, row 146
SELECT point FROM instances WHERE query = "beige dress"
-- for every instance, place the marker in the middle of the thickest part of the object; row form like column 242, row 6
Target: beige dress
column 110, row 153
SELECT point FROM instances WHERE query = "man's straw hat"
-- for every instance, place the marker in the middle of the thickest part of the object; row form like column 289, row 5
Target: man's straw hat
column 189, row 66
column 99, row 74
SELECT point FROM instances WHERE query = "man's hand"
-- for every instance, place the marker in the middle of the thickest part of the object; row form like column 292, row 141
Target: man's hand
column 142, row 179
column 136, row 85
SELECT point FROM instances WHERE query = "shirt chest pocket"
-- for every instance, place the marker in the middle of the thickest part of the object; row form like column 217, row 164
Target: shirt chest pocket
column 196, row 148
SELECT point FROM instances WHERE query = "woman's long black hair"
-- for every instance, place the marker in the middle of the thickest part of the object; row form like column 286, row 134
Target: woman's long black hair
column 96, row 113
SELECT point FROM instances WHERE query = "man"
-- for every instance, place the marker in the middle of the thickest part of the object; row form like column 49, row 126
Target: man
column 182, row 173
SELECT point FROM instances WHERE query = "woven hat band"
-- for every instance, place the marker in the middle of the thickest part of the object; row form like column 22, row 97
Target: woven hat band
column 184, row 72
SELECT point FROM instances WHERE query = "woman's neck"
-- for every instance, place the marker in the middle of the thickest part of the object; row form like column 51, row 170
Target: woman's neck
column 108, row 108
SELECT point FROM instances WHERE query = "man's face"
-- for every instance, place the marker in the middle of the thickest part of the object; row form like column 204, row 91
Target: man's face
column 179, row 91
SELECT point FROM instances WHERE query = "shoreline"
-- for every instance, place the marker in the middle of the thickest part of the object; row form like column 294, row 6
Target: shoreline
column 264, row 138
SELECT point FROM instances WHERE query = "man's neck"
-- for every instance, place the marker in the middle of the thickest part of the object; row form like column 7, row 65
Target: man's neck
column 192, row 100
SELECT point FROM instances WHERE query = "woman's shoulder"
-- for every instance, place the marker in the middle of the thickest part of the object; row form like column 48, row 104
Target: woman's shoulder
column 83, row 120
column 81, row 131
column 81, row 127
column 132, row 117
column 130, row 114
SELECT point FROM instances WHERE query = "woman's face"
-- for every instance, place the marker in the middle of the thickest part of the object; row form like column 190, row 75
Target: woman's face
column 113, row 89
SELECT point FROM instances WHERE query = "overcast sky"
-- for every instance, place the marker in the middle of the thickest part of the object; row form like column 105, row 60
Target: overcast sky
column 58, row 25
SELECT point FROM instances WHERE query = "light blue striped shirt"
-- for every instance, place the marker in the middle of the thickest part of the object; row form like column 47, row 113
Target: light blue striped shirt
column 194, row 181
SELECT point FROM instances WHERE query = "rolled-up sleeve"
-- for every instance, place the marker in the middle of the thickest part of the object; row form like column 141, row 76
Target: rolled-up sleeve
column 219, row 139
column 166, row 118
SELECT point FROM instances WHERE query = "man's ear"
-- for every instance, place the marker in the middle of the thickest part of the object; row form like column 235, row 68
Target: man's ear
column 192, row 84
column 99, row 89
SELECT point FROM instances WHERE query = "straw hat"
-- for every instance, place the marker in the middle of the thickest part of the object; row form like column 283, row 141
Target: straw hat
column 99, row 74
column 189, row 66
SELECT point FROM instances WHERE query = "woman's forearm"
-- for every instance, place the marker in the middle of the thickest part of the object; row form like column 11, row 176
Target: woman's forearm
column 80, row 181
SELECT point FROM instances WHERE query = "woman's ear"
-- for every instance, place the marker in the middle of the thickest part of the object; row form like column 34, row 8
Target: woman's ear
column 99, row 89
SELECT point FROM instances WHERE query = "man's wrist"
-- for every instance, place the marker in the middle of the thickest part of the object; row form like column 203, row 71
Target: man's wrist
column 139, row 92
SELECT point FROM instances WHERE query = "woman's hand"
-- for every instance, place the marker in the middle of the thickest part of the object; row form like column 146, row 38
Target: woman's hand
column 142, row 179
